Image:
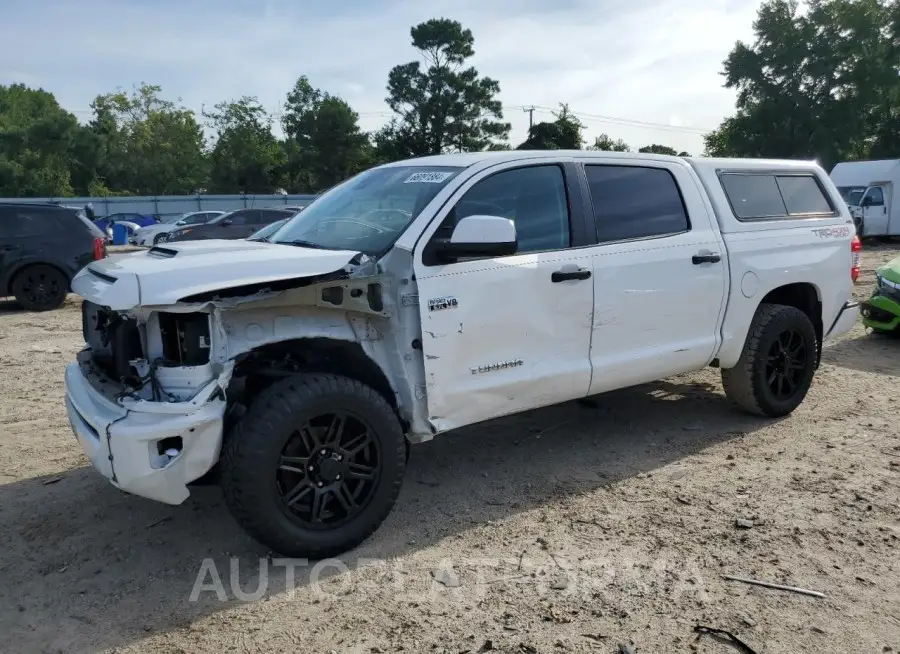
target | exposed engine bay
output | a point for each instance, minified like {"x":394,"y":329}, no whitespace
{"x":166,"y":359}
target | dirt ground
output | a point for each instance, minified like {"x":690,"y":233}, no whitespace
{"x":570,"y":529}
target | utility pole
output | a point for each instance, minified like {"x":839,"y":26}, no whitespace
{"x":530,"y":112}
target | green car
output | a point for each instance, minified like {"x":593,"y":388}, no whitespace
{"x":882,"y":311}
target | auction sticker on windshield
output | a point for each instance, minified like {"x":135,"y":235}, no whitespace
{"x":429,"y":178}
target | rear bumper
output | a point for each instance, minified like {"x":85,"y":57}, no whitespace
{"x":123,"y":444}
{"x":846,"y":318}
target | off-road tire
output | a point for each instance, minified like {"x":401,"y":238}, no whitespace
{"x":745,"y":384}
{"x":251,"y":453}
{"x":53,"y":284}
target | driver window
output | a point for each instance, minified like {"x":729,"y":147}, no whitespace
{"x":534,"y":198}
{"x":875,"y":197}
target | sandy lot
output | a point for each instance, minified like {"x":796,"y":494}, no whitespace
{"x":570,"y":529}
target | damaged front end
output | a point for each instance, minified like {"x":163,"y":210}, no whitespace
{"x":881,"y":312}
{"x":168,"y":368}
{"x":146,"y":401}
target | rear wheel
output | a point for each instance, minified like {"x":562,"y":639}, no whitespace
{"x":776,"y":367}
{"x":40,"y":288}
{"x":315,"y":466}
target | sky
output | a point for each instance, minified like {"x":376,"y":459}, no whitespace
{"x":646,"y":71}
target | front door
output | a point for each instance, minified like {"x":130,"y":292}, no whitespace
{"x":509,"y":333}
{"x":875,"y":211}
{"x":659,"y":274}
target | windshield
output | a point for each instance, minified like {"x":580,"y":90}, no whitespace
{"x":852,"y":194}
{"x":368,"y":212}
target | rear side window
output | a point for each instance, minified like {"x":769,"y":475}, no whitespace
{"x":635,"y":202}
{"x":758,"y":196}
{"x":23,"y":222}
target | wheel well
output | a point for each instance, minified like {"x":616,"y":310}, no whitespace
{"x":803,"y":296}
{"x":12,"y":278}
{"x":268,"y":363}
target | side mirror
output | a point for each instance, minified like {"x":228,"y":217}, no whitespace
{"x":225,"y":222}
{"x":479,"y":236}
{"x":180,"y":222}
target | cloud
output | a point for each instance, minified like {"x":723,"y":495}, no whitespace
{"x":645,"y":60}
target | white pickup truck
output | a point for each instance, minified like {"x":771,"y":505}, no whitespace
{"x":425,"y":295}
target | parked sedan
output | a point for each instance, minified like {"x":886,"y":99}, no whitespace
{"x":155,"y":234}
{"x":237,"y":224}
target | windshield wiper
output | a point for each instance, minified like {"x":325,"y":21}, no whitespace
{"x":305,"y":244}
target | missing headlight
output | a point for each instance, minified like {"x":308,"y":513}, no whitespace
{"x":185,"y":338}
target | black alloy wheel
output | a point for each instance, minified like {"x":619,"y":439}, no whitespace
{"x":786,"y":364}
{"x":328,"y":470}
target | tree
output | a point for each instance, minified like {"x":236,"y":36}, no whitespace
{"x":325,"y":144}
{"x":38,"y":141}
{"x":446,"y":107}
{"x":246,"y":157}
{"x":822,"y":83}
{"x":659,"y":149}
{"x":606,"y":143}
{"x":564,"y":133}
{"x":146,"y":145}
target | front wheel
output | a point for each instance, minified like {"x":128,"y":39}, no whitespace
{"x":776,"y":367}
{"x":315,"y":465}
{"x":160,"y":238}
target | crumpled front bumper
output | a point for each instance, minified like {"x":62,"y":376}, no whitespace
{"x":881,"y":313}
{"x":122,"y":438}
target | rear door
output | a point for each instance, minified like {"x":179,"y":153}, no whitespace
{"x":242,"y":224}
{"x":659,"y":272}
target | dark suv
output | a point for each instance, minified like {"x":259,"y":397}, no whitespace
{"x":42,"y":246}
{"x":237,"y":224}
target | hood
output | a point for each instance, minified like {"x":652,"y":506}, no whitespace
{"x":163,"y":275}
{"x":890,"y":271}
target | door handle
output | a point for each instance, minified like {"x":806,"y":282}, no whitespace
{"x":712,"y":257}
{"x":566,"y":275}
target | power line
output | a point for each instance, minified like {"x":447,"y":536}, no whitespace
{"x":631,"y":122}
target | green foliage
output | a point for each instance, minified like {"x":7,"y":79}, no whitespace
{"x":445,"y":107}
{"x":822,"y":83}
{"x":818,"y":81}
{"x":655,"y":148}
{"x":324,"y":142}
{"x":606,"y":143}
{"x":145,"y":144}
{"x":37,"y":142}
{"x":564,"y":133}
{"x":246,"y":157}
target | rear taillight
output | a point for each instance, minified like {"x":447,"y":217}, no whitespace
{"x":855,"y":249}
{"x":99,"y":248}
